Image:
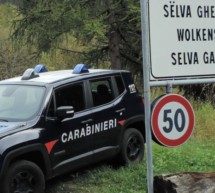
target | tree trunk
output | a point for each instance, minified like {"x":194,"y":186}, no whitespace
{"x":113,"y":37}
{"x":185,"y":183}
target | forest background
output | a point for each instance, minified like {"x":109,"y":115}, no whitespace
{"x":101,"y":34}
{"x":60,"y":34}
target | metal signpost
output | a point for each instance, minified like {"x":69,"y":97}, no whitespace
{"x":147,"y":91}
{"x":178,"y":41}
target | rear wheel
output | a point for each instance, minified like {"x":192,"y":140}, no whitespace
{"x":24,"y":177}
{"x":132,"y":150}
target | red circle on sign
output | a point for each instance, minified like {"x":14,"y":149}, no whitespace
{"x":155,"y":123}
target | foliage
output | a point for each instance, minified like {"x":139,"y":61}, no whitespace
{"x":205,"y":122}
{"x":105,"y":34}
{"x":200,"y":92}
{"x":110,"y":28}
{"x":13,"y":60}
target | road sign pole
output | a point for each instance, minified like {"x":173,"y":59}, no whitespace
{"x":147,"y":91}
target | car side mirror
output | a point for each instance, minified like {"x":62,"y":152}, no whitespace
{"x":64,"y":112}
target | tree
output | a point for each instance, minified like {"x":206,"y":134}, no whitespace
{"x":13,"y":60}
{"x":110,"y":28}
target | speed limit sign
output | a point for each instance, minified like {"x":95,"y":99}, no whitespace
{"x":172,"y":120}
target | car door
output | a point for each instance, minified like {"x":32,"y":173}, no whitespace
{"x":73,"y":145}
{"x":108,"y":114}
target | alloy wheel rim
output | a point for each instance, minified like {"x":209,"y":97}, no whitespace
{"x":23,"y":182}
{"x":133,"y":148}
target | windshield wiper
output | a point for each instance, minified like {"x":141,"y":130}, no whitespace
{"x":3,"y":120}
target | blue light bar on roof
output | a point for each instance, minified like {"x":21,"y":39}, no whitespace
{"x":39,"y":68}
{"x":29,"y":74}
{"x":80,"y":68}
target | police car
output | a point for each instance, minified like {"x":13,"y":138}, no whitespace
{"x":55,"y":122}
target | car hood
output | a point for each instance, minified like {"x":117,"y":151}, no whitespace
{"x":8,"y":127}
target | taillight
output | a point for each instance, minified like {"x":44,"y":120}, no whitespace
{"x":142,"y":100}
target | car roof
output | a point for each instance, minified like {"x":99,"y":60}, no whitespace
{"x":60,"y":75}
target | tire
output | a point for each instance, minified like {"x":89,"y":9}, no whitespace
{"x":132,"y":149}
{"x":24,"y":177}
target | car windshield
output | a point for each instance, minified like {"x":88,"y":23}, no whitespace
{"x":20,"y":102}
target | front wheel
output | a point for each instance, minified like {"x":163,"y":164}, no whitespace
{"x":24,"y":177}
{"x":132,"y":150}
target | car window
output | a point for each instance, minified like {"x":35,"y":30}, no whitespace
{"x":120,"y":85}
{"x":20,"y":102}
{"x":71,"y":95}
{"x":51,"y":108}
{"x":101,"y":91}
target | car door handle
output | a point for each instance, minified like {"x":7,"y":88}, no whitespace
{"x":87,"y":121}
{"x":120,"y":110}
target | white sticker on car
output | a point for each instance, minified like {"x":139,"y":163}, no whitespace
{"x":88,"y":130}
{"x":132,"y":88}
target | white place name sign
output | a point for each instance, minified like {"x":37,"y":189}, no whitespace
{"x":182,"y":38}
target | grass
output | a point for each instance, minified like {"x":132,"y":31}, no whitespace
{"x":205,"y":121}
{"x":103,"y":179}
{"x":194,"y":156}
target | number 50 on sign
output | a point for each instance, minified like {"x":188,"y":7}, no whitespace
{"x":172,"y":120}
